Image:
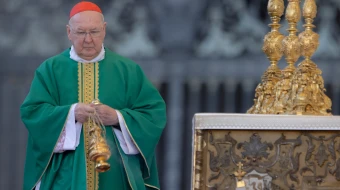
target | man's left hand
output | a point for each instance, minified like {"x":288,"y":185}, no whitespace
{"x":107,"y":114}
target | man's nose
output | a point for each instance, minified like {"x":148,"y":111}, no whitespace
{"x":88,"y":37}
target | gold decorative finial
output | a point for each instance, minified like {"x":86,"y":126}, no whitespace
{"x":275,"y":8}
{"x":309,"y":10}
{"x":272,"y":47}
{"x":308,"y":89}
{"x":293,"y":13}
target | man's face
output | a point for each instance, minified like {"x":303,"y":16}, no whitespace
{"x":86,"y":31}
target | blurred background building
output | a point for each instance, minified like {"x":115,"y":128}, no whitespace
{"x":203,"y":56}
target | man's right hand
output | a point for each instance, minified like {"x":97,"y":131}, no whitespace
{"x":82,"y":112}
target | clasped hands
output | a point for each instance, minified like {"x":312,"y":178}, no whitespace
{"x":107,"y":114}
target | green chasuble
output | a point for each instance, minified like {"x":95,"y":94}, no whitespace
{"x":59,"y":83}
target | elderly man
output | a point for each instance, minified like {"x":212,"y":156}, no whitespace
{"x":58,"y":107}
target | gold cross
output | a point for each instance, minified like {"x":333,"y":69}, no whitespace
{"x":239,"y":173}
{"x":239,"y":164}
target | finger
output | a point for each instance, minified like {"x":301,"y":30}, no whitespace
{"x":89,"y":109}
{"x":93,"y":105}
{"x":99,"y":108}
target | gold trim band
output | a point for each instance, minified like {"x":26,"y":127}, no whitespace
{"x":88,"y":77}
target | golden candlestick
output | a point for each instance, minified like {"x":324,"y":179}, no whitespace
{"x":291,"y":49}
{"x":272,"y":47}
{"x":308,"y":89}
{"x":301,"y":90}
{"x":99,"y":151}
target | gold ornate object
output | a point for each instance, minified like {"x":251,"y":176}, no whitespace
{"x":291,"y":49}
{"x":283,"y":103}
{"x":272,"y":47}
{"x":99,"y":151}
{"x":308,"y":89}
{"x":239,"y":175}
{"x":301,"y":90}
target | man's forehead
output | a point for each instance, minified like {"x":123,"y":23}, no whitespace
{"x":88,"y":16}
{"x":87,"y":20}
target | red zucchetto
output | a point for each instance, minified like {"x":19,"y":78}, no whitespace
{"x":84,"y":6}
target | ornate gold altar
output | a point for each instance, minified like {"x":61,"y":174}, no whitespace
{"x":288,"y":140}
{"x":266,"y":152}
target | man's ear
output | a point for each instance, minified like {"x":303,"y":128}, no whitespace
{"x":104,"y":28}
{"x":68,"y":30}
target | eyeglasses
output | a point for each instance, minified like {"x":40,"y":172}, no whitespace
{"x":93,"y":33}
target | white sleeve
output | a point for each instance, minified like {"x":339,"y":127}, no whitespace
{"x":69,"y":138}
{"x":124,"y":138}
{"x":37,"y":187}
